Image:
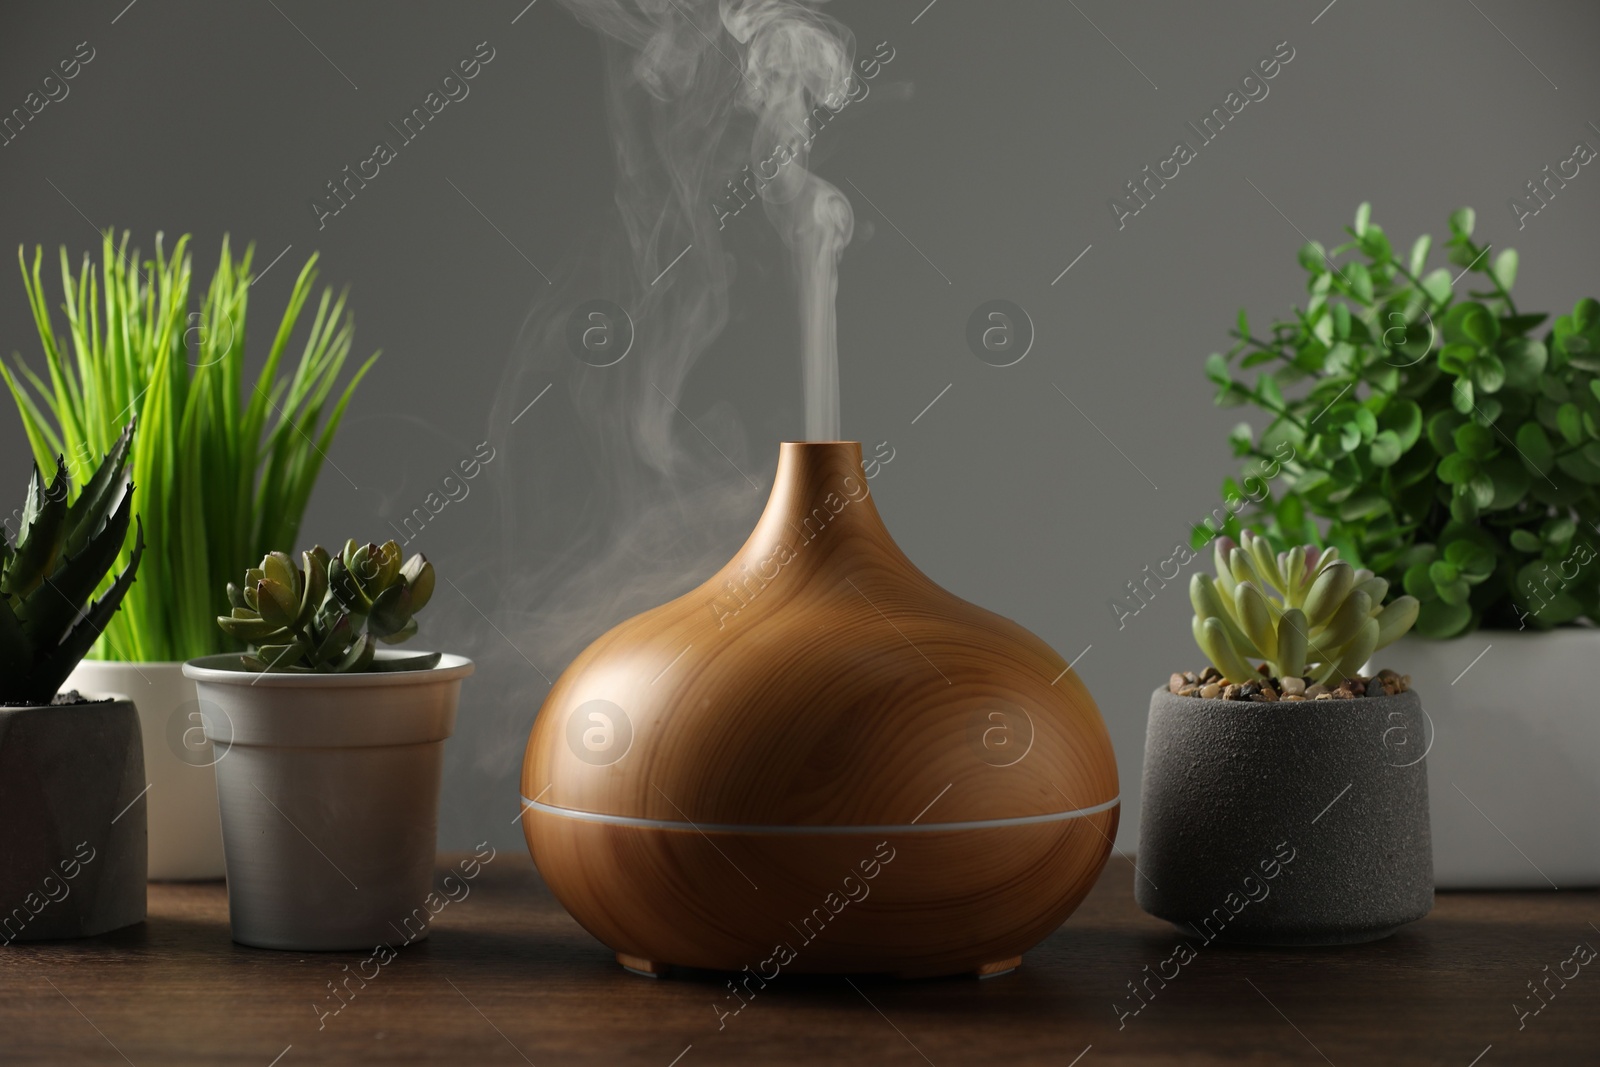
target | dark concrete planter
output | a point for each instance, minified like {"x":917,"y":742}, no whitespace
{"x":1287,"y":823}
{"x":72,"y":837}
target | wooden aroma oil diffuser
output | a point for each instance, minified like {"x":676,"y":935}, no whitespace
{"x":819,"y":761}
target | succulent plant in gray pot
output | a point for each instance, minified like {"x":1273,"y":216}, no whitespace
{"x":72,"y":828}
{"x":331,"y":749}
{"x":1287,"y":803}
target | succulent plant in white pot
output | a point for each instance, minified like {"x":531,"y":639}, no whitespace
{"x":225,"y":463}
{"x":331,"y":748}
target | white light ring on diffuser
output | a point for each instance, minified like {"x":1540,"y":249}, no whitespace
{"x":753,"y":828}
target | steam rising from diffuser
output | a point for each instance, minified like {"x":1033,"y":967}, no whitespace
{"x":816,"y":227}
{"x":663,"y":502}
{"x":795,"y":59}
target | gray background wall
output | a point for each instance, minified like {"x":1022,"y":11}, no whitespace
{"x":992,"y":142}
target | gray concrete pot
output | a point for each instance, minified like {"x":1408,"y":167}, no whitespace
{"x":329,"y":790}
{"x":72,"y":820}
{"x":1287,"y":823}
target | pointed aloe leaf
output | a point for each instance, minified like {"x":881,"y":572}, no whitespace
{"x":53,"y":605}
{"x":43,"y":528}
{"x":51,"y":669}
{"x":16,"y":649}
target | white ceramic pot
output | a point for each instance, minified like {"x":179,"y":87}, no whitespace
{"x":329,"y":790}
{"x":1514,"y":768}
{"x":185,"y":835}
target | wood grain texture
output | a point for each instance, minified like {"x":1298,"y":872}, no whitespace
{"x":820,"y":680}
{"x":507,"y":977}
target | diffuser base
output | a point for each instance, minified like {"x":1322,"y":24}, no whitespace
{"x":996,"y":969}
{"x":939,"y":902}
{"x":644,"y":967}
{"x":992,"y":969}
{"x":654,"y":969}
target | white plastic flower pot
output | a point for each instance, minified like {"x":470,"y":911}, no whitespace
{"x":1515,"y":743}
{"x":329,"y":790}
{"x":185,"y":834}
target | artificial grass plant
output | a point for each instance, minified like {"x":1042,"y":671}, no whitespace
{"x":224,"y":469}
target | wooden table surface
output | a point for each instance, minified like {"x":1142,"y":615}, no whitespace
{"x":507,"y":977}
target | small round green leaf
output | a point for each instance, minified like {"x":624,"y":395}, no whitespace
{"x":1456,"y":358}
{"x":1524,"y":541}
{"x":1477,"y":442}
{"x":1457,"y":469}
{"x":1386,"y":449}
{"x":1511,"y":479}
{"x":1479,"y":325}
{"x":1488,"y":373}
{"x":1534,"y":445}
{"x":1570,"y":422}
{"x":1418,"y":582}
{"x":1575,"y":464}
{"x":1586,"y":312}
{"x":1363,"y":214}
{"x":1439,"y":619}
{"x":1505,"y":268}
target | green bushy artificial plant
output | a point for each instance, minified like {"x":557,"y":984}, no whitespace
{"x":1428,"y":428}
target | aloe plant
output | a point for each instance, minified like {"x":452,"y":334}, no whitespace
{"x":61,"y":554}
{"x":328,"y":615}
{"x":225,"y":464}
{"x":1301,"y":611}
